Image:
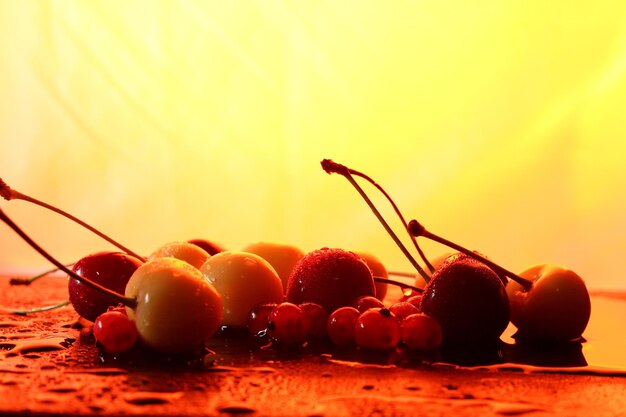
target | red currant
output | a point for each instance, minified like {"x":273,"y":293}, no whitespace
{"x":317,"y":317}
{"x":377,"y":329}
{"x":115,"y":331}
{"x":422,"y":332}
{"x":366,"y":302}
{"x":416,"y":300}
{"x":258,"y":318}
{"x":286,"y":324}
{"x":403,"y":309}
{"x":341,"y":324}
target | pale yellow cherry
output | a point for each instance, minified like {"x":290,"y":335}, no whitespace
{"x":378,"y":271}
{"x":185,"y":251}
{"x":177,"y":309}
{"x":283,"y":257}
{"x":243,"y":280}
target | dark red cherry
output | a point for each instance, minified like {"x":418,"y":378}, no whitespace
{"x":332,"y":278}
{"x":109,"y":269}
{"x":212,"y":248}
{"x":468,"y":300}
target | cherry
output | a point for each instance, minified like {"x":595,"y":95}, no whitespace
{"x":287,"y":324}
{"x":243,"y":280}
{"x":557,"y":306}
{"x":468,"y":300}
{"x":421,"y":332}
{"x":194,"y":255}
{"x":365,"y":303}
{"x":176,"y":309}
{"x":377,"y":329}
{"x":332,"y":278}
{"x":340,"y":326}
{"x":109,"y":269}
{"x":115,"y":331}
{"x":211,"y":248}
{"x":258,"y":318}
{"x":403,"y":309}
{"x":317,"y":317}
{"x":281,"y":256}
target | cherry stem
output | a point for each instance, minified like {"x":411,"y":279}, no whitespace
{"x":332,"y":167}
{"x":24,"y":312}
{"x":129,"y":302}
{"x":10,"y":194}
{"x":398,"y":284}
{"x":398,"y":213}
{"x":416,"y":229}
{"x":28,"y":281}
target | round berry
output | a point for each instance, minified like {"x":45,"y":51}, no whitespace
{"x":403,"y":309}
{"x":286,"y":324}
{"x":377,"y":329}
{"x":258,"y":318}
{"x":340,"y":326}
{"x":365,"y":303}
{"x":317,"y":317}
{"x":115,"y":331}
{"x":422,"y":332}
{"x":416,"y":300}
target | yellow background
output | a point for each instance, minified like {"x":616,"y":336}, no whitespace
{"x":499,"y":125}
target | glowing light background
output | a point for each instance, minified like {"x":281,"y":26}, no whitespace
{"x":499,"y":125}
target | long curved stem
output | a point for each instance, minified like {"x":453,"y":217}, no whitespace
{"x":10,"y":194}
{"x":129,"y":302}
{"x":398,"y":284}
{"x":332,"y":167}
{"x":416,"y":229}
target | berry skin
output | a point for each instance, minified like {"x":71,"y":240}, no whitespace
{"x":416,"y":300}
{"x":340,"y":326}
{"x":468,"y":300}
{"x":377,"y":329}
{"x":403,"y":309}
{"x":365,"y":303}
{"x":258,"y":318}
{"x":332,"y":278}
{"x":316,"y":317}
{"x":281,"y":256}
{"x":211,"y":248}
{"x":379,"y":271}
{"x":421,"y":332}
{"x":193,"y":254}
{"x":115,"y":331}
{"x":286,"y":324}
{"x":109,"y":269}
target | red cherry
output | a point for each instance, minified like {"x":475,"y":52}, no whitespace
{"x":286,"y":324}
{"x":341,"y":325}
{"x":403,"y":309}
{"x":332,"y":278}
{"x":115,"y":331}
{"x":468,"y":300}
{"x":211,"y":248}
{"x":316,"y":317}
{"x":422,"y":332}
{"x":365,"y":303}
{"x":109,"y":269}
{"x":258,"y":318}
{"x":377,"y":329}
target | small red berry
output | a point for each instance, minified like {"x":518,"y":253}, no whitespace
{"x":115,"y":331}
{"x":377,"y":329}
{"x":422,"y":332}
{"x":258,"y":317}
{"x":341,"y":324}
{"x":366,"y":302}
{"x":403,"y":309}
{"x":316,"y":316}
{"x":416,"y":300}
{"x":287,"y":324}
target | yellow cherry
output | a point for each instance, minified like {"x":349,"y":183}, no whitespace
{"x":243,"y":280}
{"x":283,"y":257}
{"x":177,"y":310}
{"x":185,"y":251}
